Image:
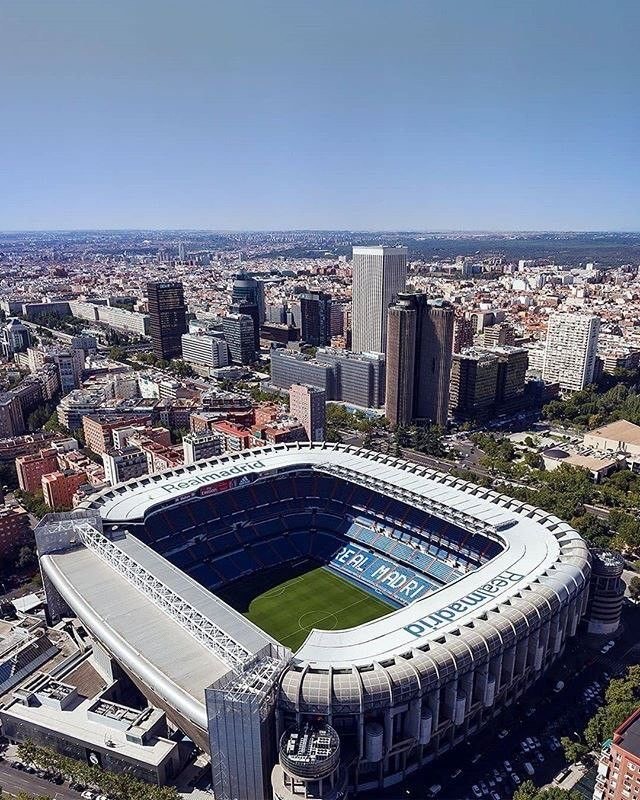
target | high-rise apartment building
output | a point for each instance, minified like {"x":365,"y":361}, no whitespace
{"x":308,"y":405}
{"x":379,"y":273}
{"x":419,"y":350}
{"x":570,"y":351}
{"x":315,"y":318}
{"x":239,"y":334}
{"x":168,"y":317}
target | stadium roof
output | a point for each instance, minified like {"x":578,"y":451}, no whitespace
{"x":539,"y":551}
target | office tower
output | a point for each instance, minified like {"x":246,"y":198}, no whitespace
{"x":308,"y":405}
{"x":315,"y":318}
{"x":433,"y":363}
{"x":462,"y":333}
{"x":239,"y":334}
{"x":402,"y":325}
{"x":168,"y":317}
{"x":498,"y":335}
{"x":248,"y":289}
{"x":379,"y":273}
{"x":353,"y":378}
{"x":474,"y":381}
{"x":181,"y":251}
{"x":570,"y":351}
{"x":419,"y":348}
{"x":251,"y":310}
{"x":359,"y":377}
{"x":336,"y":325}
{"x":205,"y":349}
{"x":513,"y":363}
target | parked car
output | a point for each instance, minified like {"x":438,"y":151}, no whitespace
{"x":476,"y":790}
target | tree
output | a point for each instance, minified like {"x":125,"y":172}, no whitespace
{"x":573,"y":750}
{"x":634,"y":587}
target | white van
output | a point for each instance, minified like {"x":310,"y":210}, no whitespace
{"x":529,"y":767}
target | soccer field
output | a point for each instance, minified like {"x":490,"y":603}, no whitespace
{"x":317,"y":599}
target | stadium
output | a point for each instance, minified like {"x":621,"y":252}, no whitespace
{"x":267,"y":597}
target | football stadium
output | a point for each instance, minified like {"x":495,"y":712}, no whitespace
{"x":318,"y":618}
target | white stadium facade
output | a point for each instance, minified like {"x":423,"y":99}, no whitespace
{"x":486,"y":591}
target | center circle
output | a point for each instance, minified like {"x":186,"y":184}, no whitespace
{"x":311,"y":618}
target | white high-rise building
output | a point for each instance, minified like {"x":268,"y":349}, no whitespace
{"x":379,"y":273}
{"x":570,"y":352}
{"x":205,"y":349}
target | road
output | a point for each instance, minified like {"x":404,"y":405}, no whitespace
{"x":14,"y":781}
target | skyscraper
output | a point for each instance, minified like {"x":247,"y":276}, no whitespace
{"x":570,"y":352}
{"x":251,"y":310}
{"x":168,"y":317}
{"x":238,"y":331}
{"x":379,"y":273}
{"x":307,"y":405}
{"x":419,"y":350}
{"x":315,"y":318}
{"x":248,"y":289}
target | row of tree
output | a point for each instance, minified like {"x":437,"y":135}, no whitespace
{"x":621,"y":699}
{"x":119,"y":786}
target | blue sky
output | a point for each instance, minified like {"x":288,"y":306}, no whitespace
{"x":353,"y":114}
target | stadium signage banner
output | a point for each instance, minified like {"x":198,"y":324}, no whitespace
{"x":434,"y":621}
{"x":210,"y":477}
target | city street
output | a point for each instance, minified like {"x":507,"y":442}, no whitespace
{"x":14,"y":781}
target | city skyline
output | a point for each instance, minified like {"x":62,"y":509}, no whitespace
{"x":365,"y":117}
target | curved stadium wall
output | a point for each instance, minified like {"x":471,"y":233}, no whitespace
{"x":498,"y":587}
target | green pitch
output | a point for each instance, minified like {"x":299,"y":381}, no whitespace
{"x":318,"y":599}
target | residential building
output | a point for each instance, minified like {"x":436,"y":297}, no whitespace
{"x":59,"y":487}
{"x":11,"y":416}
{"x":379,"y":273}
{"x":15,"y":530}
{"x":98,"y":429}
{"x":123,"y":464}
{"x":235,"y":437}
{"x":168,"y":317}
{"x":308,"y":405}
{"x":201,"y":444}
{"x":618,"y":775}
{"x":570,"y":352}
{"x":30,"y":468}
{"x":500,"y":334}
{"x":315,"y":318}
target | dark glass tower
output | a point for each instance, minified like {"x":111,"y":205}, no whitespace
{"x":168,"y":318}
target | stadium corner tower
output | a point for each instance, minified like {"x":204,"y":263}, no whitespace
{"x":480,"y":595}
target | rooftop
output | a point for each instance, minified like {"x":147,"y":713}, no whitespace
{"x":621,"y":431}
